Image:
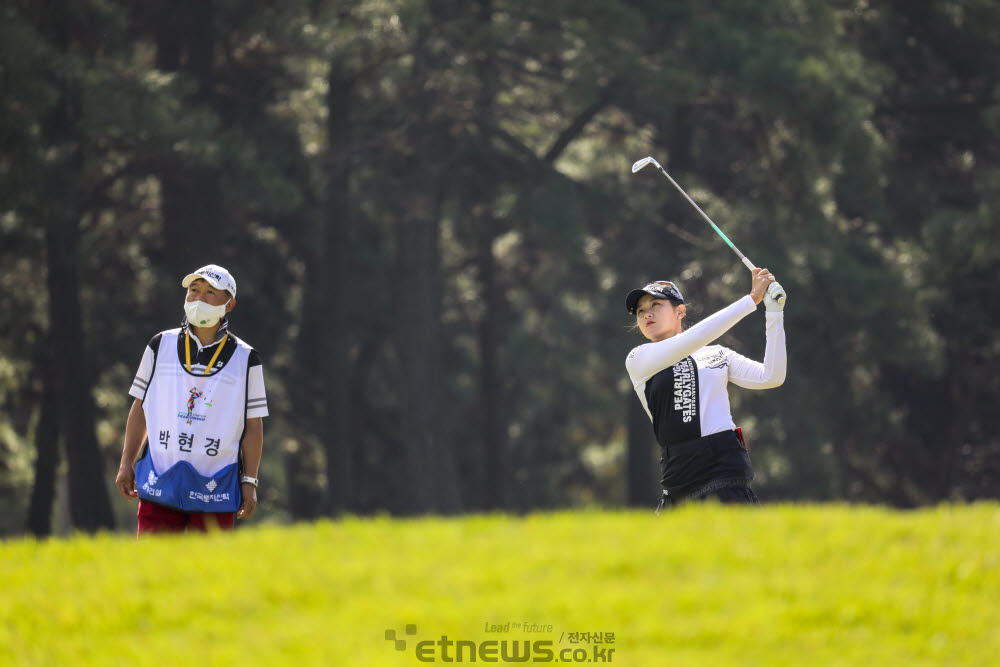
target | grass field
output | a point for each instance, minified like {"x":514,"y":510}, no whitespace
{"x":709,"y":585}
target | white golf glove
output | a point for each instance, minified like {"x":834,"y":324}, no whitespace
{"x":771,"y":300}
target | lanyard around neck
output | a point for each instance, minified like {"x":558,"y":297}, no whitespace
{"x":187,"y":352}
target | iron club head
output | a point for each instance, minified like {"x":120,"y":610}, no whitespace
{"x":641,"y":163}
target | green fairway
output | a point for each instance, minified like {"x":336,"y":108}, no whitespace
{"x":707,"y":585}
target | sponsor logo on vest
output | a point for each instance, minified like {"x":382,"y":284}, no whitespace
{"x":192,"y":399}
{"x":150,"y":483}
{"x":684,"y":389}
{"x":208,"y":497}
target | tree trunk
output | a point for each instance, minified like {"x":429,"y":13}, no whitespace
{"x":309,"y":384}
{"x":415,"y":293}
{"x":641,"y":477}
{"x":90,"y":508}
{"x":191,"y":200}
{"x":72,"y":380}
{"x":430,"y":460}
{"x":302,"y":475}
{"x":490,"y":380}
{"x":335,"y":296}
{"x":43,"y":488}
{"x":491,"y":389}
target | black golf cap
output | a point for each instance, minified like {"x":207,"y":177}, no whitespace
{"x":658,"y":289}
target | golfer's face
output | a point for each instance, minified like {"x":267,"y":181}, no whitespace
{"x":202,"y":290}
{"x":656,"y":318}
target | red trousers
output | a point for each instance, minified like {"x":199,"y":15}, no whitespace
{"x":155,"y":518}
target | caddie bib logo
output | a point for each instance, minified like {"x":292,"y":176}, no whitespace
{"x":192,"y":399}
{"x":148,"y":489}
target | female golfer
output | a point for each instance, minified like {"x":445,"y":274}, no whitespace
{"x":681,"y":382}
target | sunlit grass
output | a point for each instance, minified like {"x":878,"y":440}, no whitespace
{"x":782,"y":585}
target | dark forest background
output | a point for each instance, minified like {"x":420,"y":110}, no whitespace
{"x":428,"y":208}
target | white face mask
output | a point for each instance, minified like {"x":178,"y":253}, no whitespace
{"x":201,"y":314}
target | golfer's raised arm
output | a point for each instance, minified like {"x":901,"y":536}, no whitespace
{"x":649,"y":359}
{"x":750,"y":374}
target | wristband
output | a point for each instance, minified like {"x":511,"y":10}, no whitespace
{"x":247,"y":479}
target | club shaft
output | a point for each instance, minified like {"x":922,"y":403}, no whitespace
{"x":780,"y":296}
{"x":743,"y":258}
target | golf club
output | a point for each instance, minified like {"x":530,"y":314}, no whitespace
{"x":743,"y":258}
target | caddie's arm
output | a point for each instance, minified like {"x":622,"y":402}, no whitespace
{"x":252,"y":447}
{"x":135,"y":435}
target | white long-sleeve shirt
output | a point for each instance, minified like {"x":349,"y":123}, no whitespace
{"x":682,"y":381}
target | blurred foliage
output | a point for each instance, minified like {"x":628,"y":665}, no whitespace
{"x":428,"y":208}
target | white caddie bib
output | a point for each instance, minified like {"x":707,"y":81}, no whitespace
{"x":195,"y":423}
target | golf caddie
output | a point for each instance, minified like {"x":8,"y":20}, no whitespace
{"x":194,"y":435}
